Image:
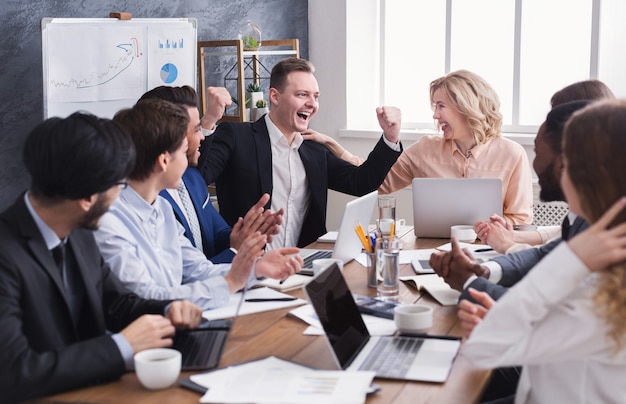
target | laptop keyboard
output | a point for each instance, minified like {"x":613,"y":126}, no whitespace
{"x":200,"y":349}
{"x":308,"y":261}
{"x":392,"y":357}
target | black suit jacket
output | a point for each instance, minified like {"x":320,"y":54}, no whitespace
{"x":43,"y":349}
{"x":238,"y":158}
{"x":515,"y":266}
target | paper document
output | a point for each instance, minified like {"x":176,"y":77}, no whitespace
{"x":375,"y":325}
{"x":406,"y":256}
{"x":230,"y":308}
{"x":435,"y":286}
{"x":273,"y":380}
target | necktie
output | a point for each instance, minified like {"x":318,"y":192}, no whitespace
{"x":565,"y":226}
{"x":192,"y":218}
{"x":58,"y":253}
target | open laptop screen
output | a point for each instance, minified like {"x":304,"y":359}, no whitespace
{"x":338,"y":314}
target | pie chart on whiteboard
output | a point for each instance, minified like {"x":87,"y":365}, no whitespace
{"x":169,"y":72}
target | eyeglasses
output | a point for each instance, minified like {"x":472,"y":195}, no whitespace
{"x":122,"y":184}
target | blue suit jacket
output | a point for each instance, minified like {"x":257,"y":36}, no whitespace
{"x":238,"y":158}
{"x":215,"y":231}
{"x":515,"y":266}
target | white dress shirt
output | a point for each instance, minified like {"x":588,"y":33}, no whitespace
{"x":290,"y":188}
{"x":547,"y":323}
{"x":146,"y":247}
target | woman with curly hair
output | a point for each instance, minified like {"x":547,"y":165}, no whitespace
{"x":467,"y":111}
{"x":565,"y":322}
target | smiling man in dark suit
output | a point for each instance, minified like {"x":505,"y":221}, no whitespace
{"x":246,"y":160}
{"x":66,"y":320}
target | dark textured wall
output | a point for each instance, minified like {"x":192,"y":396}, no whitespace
{"x":21,"y":87}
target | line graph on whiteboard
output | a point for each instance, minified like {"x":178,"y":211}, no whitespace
{"x":82,"y":70}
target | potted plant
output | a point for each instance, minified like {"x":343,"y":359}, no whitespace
{"x":255,"y":92}
{"x":250,"y":36}
{"x":260,"y":110}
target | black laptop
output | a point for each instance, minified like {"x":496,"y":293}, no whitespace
{"x":423,"y":358}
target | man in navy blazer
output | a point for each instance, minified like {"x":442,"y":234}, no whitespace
{"x":462,"y":272}
{"x":246,"y":160}
{"x":215,"y":238}
{"x":67,"y":321}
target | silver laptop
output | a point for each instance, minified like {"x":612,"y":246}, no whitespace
{"x":347,"y":246}
{"x":421,"y":358}
{"x":439,"y":203}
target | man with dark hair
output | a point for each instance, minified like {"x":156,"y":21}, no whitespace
{"x":58,"y":300}
{"x":246,"y":160}
{"x":141,"y":239}
{"x":204,"y":226}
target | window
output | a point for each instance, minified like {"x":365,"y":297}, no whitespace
{"x":526,"y":49}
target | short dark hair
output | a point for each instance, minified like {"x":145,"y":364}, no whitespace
{"x":155,"y":126}
{"x":582,"y":90}
{"x":555,"y":121}
{"x":280,"y":71}
{"x":184,"y":95}
{"x":77,"y":156}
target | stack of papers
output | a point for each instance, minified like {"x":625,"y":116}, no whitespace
{"x":274,"y":380}
{"x":268,"y":301}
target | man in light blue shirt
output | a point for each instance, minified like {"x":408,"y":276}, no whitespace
{"x":143,"y":242}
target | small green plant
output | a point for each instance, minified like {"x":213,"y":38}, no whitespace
{"x":236,"y":101}
{"x":250,"y":42}
{"x":254,"y":88}
{"x":261,"y":103}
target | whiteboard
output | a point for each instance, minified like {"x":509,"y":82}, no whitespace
{"x":101,"y":65}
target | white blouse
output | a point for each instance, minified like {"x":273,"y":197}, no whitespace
{"x":547,"y":323}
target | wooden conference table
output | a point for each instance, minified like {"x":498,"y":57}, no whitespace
{"x":276,"y":333}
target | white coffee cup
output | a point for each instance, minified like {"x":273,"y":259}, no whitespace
{"x":413,"y":318}
{"x":158,"y":368}
{"x":464,"y":233}
{"x":321,"y":264}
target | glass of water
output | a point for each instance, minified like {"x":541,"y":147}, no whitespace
{"x":386,"y":215}
{"x":388,"y":264}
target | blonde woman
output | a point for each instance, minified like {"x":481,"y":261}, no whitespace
{"x":565,"y":322}
{"x":467,"y":111}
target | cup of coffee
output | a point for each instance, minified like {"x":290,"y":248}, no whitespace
{"x":158,"y":368}
{"x":463,"y":233}
{"x":321,"y":264}
{"x":413,"y":318}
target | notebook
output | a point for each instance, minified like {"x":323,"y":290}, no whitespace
{"x":202,"y":347}
{"x":420,"y":358}
{"x":439,"y":203}
{"x":348,"y":246}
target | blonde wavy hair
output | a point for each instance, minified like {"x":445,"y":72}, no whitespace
{"x":475,"y":99}
{"x":599,"y":178}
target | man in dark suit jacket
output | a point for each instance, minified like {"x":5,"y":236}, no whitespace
{"x":57,"y":316}
{"x":462,"y":272}
{"x":246,"y":160}
{"x":213,"y":235}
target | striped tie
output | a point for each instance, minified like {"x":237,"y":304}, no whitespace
{"x":192,"y":218}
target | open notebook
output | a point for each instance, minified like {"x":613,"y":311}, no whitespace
{"x":399,"y":357}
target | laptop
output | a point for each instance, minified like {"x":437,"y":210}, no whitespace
{"x":347,"y":246}
{"x":202,"y":347}
{"x":439,"y":203}
{"x":420,"y":358}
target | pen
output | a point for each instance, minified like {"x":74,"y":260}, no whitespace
{"x":483,"y":250}
{"x":271,"y":299}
